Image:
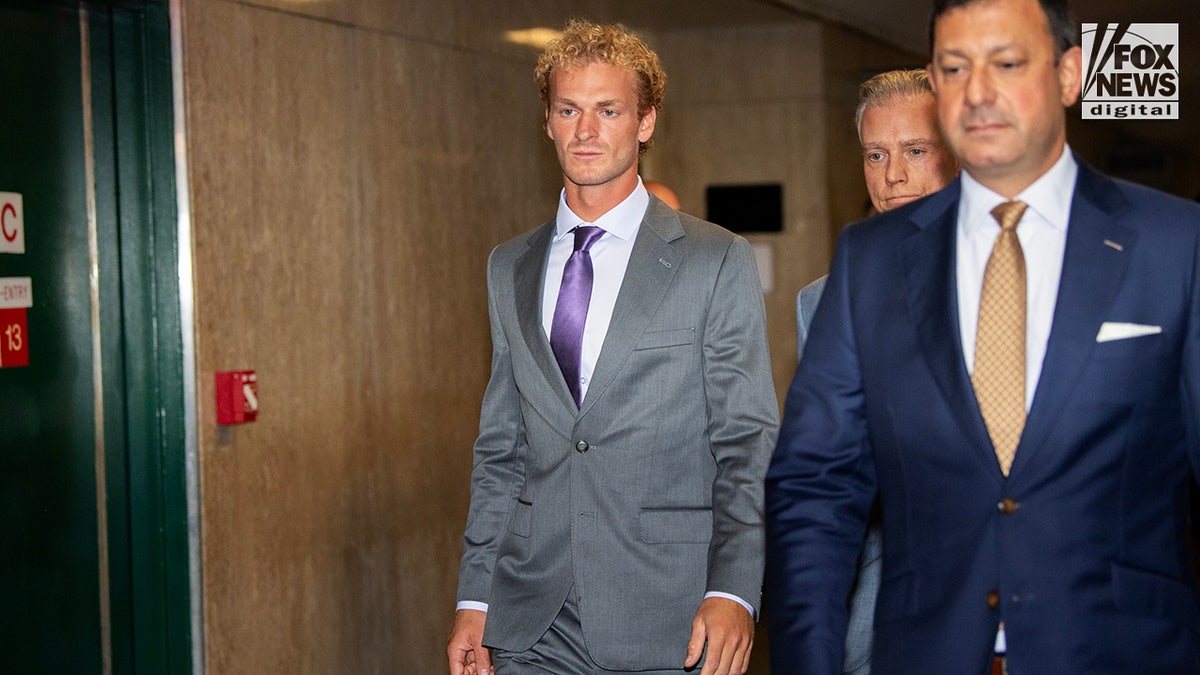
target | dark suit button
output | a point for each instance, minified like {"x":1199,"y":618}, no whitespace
{"x":582,"y":447}
{"x":993,"y":598}
{"x":1007,"y":506}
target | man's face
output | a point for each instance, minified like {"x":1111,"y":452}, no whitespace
{"x":903,"y":154}
{"x":593,"y":121}
{"x":1000,"y":93}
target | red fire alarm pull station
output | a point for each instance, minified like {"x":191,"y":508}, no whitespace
{"x":237,"y":397}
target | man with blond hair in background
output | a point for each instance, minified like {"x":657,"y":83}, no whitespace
{"x":904,"y":159}
{"x":616,"y":496}
{"x":904,"y":156}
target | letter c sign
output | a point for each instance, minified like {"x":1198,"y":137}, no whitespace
{"x":12,"y":225}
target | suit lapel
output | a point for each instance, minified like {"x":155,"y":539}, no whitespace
{"x":528,"y":275}
{"x":1094,"y":261}
{"x":928,"y":259}
{"x":652,"y":264}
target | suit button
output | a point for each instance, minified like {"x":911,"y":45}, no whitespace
{"x":1007,"y":506}
{"x":582,"y":447}
{"x":993,"y":598}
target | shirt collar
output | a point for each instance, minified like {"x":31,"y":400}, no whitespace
{"x":1049,"y":196}
{"x":622,"y":220}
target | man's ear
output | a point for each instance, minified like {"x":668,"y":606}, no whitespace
{"x":646,"y":125}
{"x":1070,"y":75}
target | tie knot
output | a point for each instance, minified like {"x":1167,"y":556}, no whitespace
{"x":1009,"y":214}
{"x":586,"y":235}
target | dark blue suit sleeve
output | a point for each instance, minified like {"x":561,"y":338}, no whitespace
{"x":819,"y":490}
{"x":1191,"y":368}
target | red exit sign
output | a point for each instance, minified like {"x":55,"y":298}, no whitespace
{"x":16,"y":295}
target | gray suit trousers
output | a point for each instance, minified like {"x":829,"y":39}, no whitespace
{"x":561,"y":651}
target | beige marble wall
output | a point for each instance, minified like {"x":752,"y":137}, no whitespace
{"x":347,"y":185}
{"x":747,"y":105}
{"x":351,"y":164}
{"x":851,"y":59}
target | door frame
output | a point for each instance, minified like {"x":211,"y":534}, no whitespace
{"x":146,"y":348}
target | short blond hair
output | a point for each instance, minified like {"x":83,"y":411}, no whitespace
{"x":583,"y":42}
{"x":890,"y":86}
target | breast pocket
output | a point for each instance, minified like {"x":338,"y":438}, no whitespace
{"x":661,"y":339}
{"x":1143,"y":346}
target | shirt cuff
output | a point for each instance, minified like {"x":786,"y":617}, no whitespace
{"x":483,"y":606}
{"x":730,"y":596}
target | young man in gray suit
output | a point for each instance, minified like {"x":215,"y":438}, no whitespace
{"x":904,"y":159}
{"x":616,"y":497}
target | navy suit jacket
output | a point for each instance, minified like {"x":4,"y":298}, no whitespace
{"x":859,"y":631}
{"x":1082,"y":551}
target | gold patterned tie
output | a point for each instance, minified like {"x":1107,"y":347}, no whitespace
{"x":999,"y":375}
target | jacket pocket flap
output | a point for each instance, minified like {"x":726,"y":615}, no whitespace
{"x":676,"y":526}
{"x":1152,"y":594}
{"x":521,"y":522}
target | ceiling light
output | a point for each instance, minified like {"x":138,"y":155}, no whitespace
{"x":534,"y":37}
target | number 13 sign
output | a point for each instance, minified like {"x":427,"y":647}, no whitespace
{"x":16,"y":296}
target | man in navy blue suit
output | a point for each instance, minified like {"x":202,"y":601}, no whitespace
{"x":1012,"y":365}
{"x":904,"y":159}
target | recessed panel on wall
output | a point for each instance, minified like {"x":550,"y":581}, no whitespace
{"x":746,"y":208}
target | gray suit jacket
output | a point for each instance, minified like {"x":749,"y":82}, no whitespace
{"x":860,"y":630}
{"x":648,"y":496}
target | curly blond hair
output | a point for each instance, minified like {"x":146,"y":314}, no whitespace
{"x":583,"y":42}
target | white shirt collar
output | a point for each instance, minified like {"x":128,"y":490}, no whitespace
{"x":621,"y":220}
{"x":1049,"y":196}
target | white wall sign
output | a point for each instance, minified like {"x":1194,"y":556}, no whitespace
{"x":12,"y":223}
{"x":764,"y":255}
{"x":16,"y":292}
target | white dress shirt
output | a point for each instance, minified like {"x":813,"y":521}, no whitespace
{"x":1042,"y":232}
{"x":610,"y":257}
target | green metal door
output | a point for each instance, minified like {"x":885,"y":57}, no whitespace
{"x":93,"y":518}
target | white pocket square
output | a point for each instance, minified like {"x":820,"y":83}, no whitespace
{"x":1113,"y":330}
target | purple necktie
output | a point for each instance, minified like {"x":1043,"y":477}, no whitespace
{"x":566,"y":332}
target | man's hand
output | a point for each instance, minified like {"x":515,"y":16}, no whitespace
{"x":465,"y":649}
{"x":729,"y":630}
